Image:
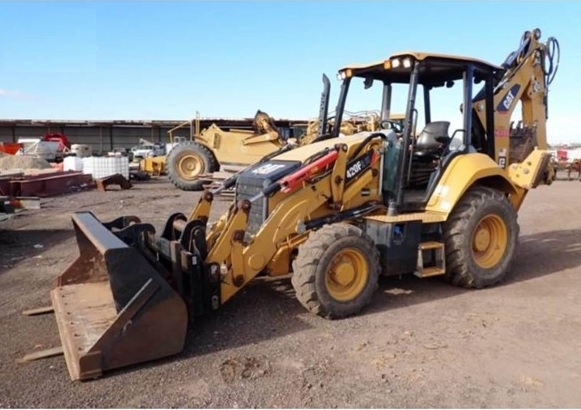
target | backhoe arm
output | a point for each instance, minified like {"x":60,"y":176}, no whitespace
{"x":529,"y":71}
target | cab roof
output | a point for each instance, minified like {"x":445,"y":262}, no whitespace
{"x":436,"y":68}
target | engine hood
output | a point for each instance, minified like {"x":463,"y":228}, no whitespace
{"x":302,"y":153}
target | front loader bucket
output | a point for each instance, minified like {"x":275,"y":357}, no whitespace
{"x":112,"y":307}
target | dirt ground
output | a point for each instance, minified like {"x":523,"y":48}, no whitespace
{"x":421,"y":343}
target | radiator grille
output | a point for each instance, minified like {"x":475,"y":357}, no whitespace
{"x":253,"y":181}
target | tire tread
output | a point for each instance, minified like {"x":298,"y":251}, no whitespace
{"x":171,"y":165}
{"x":307,"y":261}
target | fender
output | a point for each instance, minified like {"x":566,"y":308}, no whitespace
{"x":463,"y":172}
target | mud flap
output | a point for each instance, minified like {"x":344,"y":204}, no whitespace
{"x":113,"y":308}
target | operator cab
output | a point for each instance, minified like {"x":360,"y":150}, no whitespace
{"x":413,"y":166}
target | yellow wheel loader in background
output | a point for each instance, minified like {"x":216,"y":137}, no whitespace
{"x":191,"y":165}
{"x":335,"y":214}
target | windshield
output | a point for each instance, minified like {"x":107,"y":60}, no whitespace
{"x":363,"y":107}
{"x":364,"y":104}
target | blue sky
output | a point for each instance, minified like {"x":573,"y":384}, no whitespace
{"x":167,"y":60}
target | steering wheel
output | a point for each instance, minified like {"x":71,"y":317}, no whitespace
{"x":392,"y":125}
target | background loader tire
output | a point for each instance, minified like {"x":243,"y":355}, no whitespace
{"x":481,"y":236}
{"x":186,"y":161}
{"x":336,"y":271}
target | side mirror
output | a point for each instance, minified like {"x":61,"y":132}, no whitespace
{"x":368,"y":82}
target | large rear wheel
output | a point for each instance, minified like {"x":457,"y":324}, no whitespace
{"x":186,"y":162}
{"x":481,"y":236}
{"x":336,"y":271}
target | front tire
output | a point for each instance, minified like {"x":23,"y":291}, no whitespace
{"x":336,"y":271}
{"x":186,"y":162}
{"x":481,"y":236}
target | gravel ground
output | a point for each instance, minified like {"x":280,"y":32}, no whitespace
{"x":421,"y":343}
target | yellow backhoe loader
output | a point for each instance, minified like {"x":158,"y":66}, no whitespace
{"x":335,"y":214}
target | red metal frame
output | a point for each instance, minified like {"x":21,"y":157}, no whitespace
{"x":48,"y":184}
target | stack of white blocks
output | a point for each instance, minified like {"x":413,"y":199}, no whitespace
{"x":101,"y":167}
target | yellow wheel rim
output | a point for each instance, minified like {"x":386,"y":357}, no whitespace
{"x":489,"y":241}
{"x":190,"y":166}
{"x":347,"y":275}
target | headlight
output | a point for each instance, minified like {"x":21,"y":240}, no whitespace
{"x":407,"y":62}
{"x":395,"y":63}
{"x":341,"y":75}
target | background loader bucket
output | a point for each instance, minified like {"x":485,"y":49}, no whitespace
{"x":112,"y":307}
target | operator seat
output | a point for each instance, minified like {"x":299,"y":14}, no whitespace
{"x":433,"y":138}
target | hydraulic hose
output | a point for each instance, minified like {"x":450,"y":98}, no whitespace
{"x":553,"y":50}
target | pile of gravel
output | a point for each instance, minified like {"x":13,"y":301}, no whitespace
{"x":22,"y":162}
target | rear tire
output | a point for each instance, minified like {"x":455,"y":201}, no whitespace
{"x":186,"y":161}
{"x":336,"y":271}
{"x":481,"y":237}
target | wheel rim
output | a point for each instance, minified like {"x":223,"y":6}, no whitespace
{"x":347,"y":275}
{"x":190,"y":166}
{"x":489,"y":241}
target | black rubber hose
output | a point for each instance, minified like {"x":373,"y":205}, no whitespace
{"x":553,"y":50}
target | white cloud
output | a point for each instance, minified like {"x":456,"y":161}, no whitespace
{"x":14,"y":94}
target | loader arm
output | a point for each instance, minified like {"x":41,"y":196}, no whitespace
{"x":242,"y":258}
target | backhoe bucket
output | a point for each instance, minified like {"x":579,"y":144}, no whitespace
{"x":113,"y":308}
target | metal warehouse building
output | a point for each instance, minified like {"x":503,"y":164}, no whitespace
{"x":103,"y":136}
